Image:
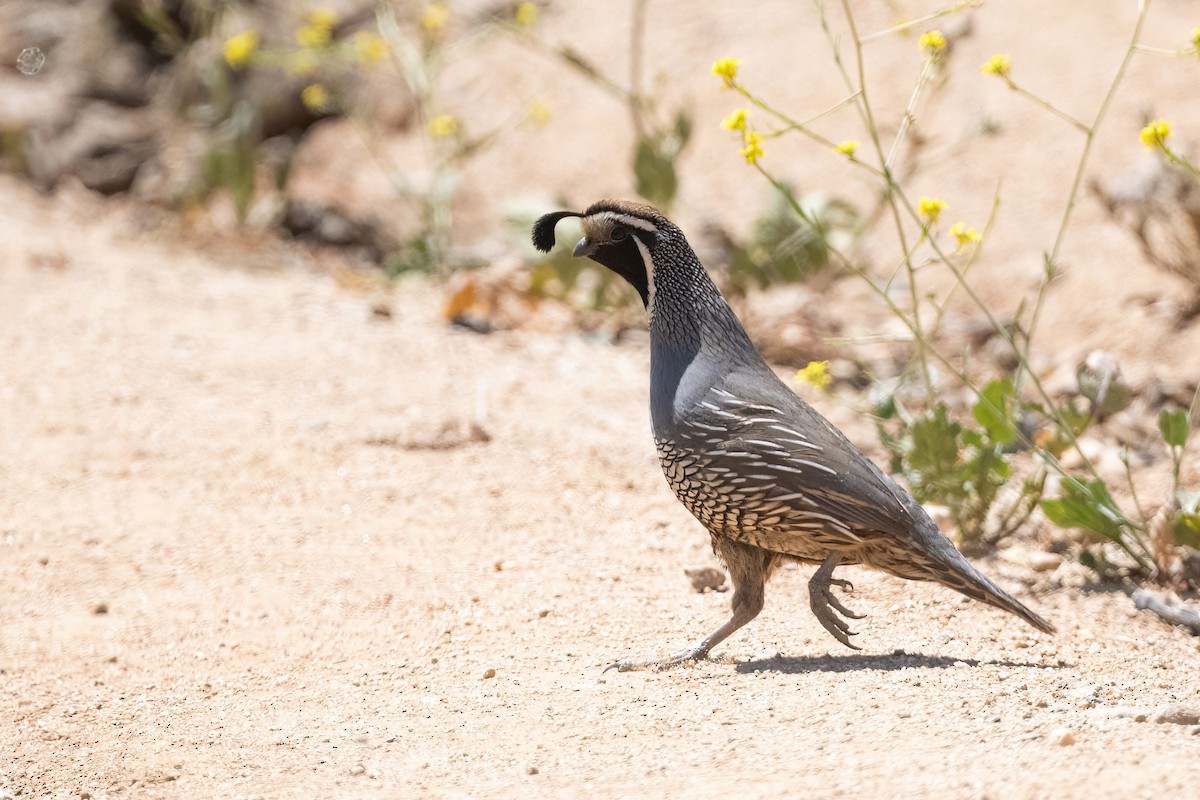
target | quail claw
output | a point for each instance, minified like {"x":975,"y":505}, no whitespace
{"x":689,"y":656}
{"x":824,"y":602}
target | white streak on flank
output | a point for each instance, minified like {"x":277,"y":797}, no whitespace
{"x":704,"y":427}
{"x":709,"y":405}
{"x":783,"y":498}
{"x":817,"y":466}
{"x":755,"y":420}
{"x":723,"y":392}
{"x":789,"y":431}
{"x":837,"y":523}
{"x":725,"y":414}
{"x":809,"y":445}
{"x":764,"y":443}
{"x":760,"y":407}
{"x":782,"y":468}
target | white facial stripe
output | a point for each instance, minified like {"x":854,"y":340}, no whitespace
{"x":649,"y":263}
{"x":628,"y":221}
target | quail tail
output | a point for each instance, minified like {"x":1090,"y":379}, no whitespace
{"x":978,"y":587}
{"x":953,"y":570}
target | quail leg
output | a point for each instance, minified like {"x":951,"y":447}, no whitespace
{"x":742,"y":613}
{"x":749,"y":568}
{"x":823,"y":602}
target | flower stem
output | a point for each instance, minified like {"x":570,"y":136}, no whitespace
{"x":1046,"y":105}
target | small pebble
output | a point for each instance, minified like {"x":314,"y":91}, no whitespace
{"x":1041,"y":561}
{"x":1063,"y":737}
{"x":357,"y":769}
{"x":100,"y":608}
{"x":1177,"y":715}
{"x":531,"y":770}
{"x":489,"y":673}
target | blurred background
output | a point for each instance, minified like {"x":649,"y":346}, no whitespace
{"x":280,"y":369}
{"x":423,"y":138}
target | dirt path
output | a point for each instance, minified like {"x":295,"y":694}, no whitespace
{"x":253,"y":548}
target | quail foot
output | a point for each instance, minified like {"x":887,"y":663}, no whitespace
{"x":768,"y":476}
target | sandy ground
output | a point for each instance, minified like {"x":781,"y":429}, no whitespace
{"x":254,"y":545}
{"x":260,"y":541}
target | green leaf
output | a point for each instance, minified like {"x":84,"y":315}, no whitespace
{"x":1174,"y":427}
{"x":1187,"y":529}
{"x":683,"y":129}
{"x":935,"y":442}
{"x":994,"y":411}
{"x":1088,"y":559}
{"x":655,"y":173}
{"x":1087,"y":505}
{"x":885,"y":407}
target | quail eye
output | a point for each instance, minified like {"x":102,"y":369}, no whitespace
{"x":618,"y":233}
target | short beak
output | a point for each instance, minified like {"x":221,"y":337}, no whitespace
{"x":584,"y":248}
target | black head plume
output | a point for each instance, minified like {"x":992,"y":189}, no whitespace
{"x":543,"y":229}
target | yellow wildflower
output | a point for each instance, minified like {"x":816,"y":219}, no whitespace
{"x":319,"y":30}
{"x":933,"y":43}
{"x":322,"y":18}
{"x":998,"y":65}
{"x":527,"y":15}
{"x":1196,"y":39}
{"x":847,"y":148}
{"x":752,"y":152}
{"x":964,"y":235}
{"x":931,"y":208}
{"x":539,"y":111}
{"x":726,"y":69}
{"x":443,"y":127}
{"x":816,"y":373}
{"x":238,"y":49}
{"x":1155,"y":134}
{"x":736,"y":121}
{"x":369,"y":47}
{"x":433,"y":20}
{"x":315,"y":97}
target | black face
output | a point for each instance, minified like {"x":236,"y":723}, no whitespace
{"x":623,"y":257}
{"x":612,"y":244}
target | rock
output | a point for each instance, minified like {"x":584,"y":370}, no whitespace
{"x":1041,"y":561}
{"x":705,"y":579}
{"x":531,"y":770}
{"x":489,"y":673}
{"x":1063,"y":737}
{"x":1176,"y":714}
{"x":328,"y":225}
{"x":358,"y":769}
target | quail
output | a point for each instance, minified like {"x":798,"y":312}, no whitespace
{"x":769,"y":477}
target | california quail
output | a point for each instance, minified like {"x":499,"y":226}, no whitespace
{"x":770,"y":478}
